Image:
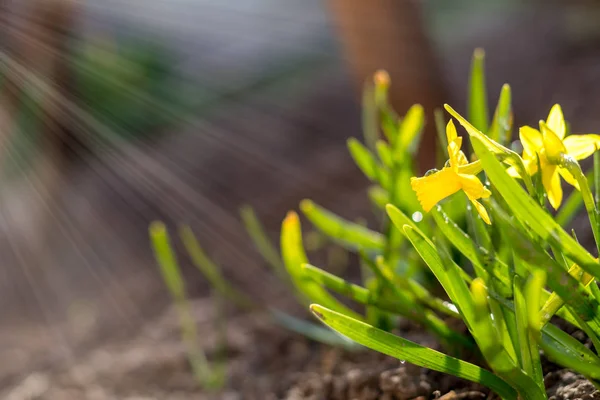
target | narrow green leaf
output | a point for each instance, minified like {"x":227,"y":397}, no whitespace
{"x":573,"y":204}
{"x":588,"y":199}
{"x":400,"y":219}
{"x":493,"y":350}
{"x":367,"y":163}
{"x":478,"y":107}
{"x":440,"y":128}
{"x":210,"y":270}
{"x":312,"y":331}
{"x":294,"y":257}
{"x":405,"y":293}
{"x":483,"y":328}
{"x":399,"y":283}
{"x":447,"y":274}
{"x":171,"y":274}
{"x":378,"y":196}
{"x":479,"y":256}
{"x":341,"y":286}
{"x":528,"y":329}
{"x":597,"y":177}
{"x":501,"y":128}
{"x":554,"y":302}
{"x":370,"y":122}
{"x":584,"y":326}
{"x":565,"y":350}
{"x":409,"y":133}
{"x":169,"y":267}
{"x":569,"y":209}
{"x":414,"y":353}
{"x":261,"y":241}
{"x":385,"y":153}
{"x":349,"y":234}
{"x":405,"y":305}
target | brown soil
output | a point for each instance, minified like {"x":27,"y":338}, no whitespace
{"x":263,"y":362}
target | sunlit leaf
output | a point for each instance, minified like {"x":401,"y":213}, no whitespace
{"x":411,"y":352}
{"x":350,"y":234}
{"x":478,"y":107}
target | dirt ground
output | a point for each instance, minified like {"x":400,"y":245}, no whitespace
{"x":264,"y":362}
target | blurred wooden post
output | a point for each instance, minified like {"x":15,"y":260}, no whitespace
{"x":37,"y":39}
{"x":389,"y":34}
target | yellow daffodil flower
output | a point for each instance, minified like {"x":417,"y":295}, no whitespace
{"x":458,"y":175}
{"x":548,"y":145}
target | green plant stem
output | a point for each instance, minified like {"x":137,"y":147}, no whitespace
{"x":597,"y":176}
{"x":169,"y":268}
{"x":211,"y":271}
{"x":262,"y":243}
{"x":588,"y":199}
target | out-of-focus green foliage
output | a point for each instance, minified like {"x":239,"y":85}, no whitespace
{"x":128,"y":85}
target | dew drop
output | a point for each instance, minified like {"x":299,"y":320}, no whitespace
{"x":450,"y":306}
{"x":402,"y":361}
{"x":417,"y":216}
{"x":547,"y":316}
{"x":469,"y":208}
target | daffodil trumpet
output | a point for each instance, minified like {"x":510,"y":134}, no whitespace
{"x":457,"y":175}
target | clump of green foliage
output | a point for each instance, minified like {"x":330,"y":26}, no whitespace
{"x":504,"y":279}
{"x":478,"y":242}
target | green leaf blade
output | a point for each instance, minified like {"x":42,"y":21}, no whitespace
{"x":478,"y":108}
{"x":294,"y":257}
{"x":403,"y":349}
{"x":349,"y":234}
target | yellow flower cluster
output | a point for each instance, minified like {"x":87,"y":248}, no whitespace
{"x":547,"y":145}
{"x":543,"y":151}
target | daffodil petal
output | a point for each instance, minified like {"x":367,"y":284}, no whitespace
{"x":531,"y":166}
{"x":570,"y":179}
{"x":512,"y":171}
{"x":451,"y":133}
{"x":454,"y":151}
{"x":431,"y":189}
{"x":471,"y":168}
{"x":581,"y":146}
{"x":481,"y":211}
{"x":551,"y":182}
{"x":473,"y":187}
{"x":532,"y":141}
{"x":553,"y":144}
{"x":556,"y":121}
{"x":461,"y":159}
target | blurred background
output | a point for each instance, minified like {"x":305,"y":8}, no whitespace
{"x":116,"y":113}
